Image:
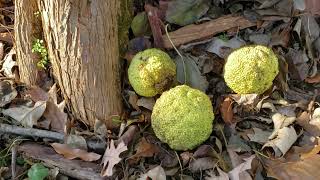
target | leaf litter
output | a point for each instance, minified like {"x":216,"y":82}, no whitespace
{"x":255,"y":136}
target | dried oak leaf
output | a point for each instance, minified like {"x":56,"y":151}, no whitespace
{"x":71,"y":153}
{"x":111,"y":157}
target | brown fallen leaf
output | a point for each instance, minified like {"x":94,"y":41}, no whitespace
{"x":54,"y":112}
{"x":71,"y":153}
{"x":144,"y":149}
{"x":314,"y":79}
{"x":57,"y":117}
{"x":37,"y":94}
{"x":227,"y":111}
{"x":111,"y":158}
{"x":306,"y":167}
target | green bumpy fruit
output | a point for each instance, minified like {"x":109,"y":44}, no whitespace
{"x":182,"y":117}
{"x":151,"y":72}
{"x":251,"y":69}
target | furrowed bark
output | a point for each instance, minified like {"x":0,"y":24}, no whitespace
{"x":27,"y":28}
{"x":82,"y":39}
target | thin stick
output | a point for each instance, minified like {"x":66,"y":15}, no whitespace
{"x":13,"y":162}
{"x":6,"y":128}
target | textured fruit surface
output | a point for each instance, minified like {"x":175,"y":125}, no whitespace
{"x":251,"y":69}
{"x":182,"y":117}
{"x":151,"y":72}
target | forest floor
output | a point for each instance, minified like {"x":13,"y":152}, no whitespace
{"x":274,"y":135}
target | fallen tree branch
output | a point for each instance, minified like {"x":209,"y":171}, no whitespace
{"x":74,"y":168}
{"x":31,"y":132}
{"x":205,"y":30}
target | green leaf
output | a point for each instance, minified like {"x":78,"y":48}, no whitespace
{"x":190,"y":73}
{"x":38,"y":172}
{"x":184,"y":12}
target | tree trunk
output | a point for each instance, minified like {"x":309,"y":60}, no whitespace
{"x":27,"y":28}
{"x":82,"y":40}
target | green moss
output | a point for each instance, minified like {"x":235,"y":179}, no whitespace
{"x":182,"y":117}
{"x":251,"y":69}
{"x":151,"y":72}
{"x":124,"y":21}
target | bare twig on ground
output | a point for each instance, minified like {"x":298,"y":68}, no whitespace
{"x":13,"y":162}
{"x":6,"y":128}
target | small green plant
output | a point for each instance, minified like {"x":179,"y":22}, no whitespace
{"x":224,"y":37}
{"x":39,"y":47}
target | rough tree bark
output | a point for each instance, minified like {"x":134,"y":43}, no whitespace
{"x":27,"y":28}
{"x":82,"y":40}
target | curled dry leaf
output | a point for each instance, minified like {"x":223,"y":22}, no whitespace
{"x":226,"y":110}
{"x":311,"y":124}
{"x":280,"y":121}
{"x":111,"y":158}
{"x":71,"y":153}
{"x":285,"y":138}
{"x":26,"y":116}
{"x":7,"y":93}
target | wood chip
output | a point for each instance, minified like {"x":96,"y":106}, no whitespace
{"x":191,"y":33}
